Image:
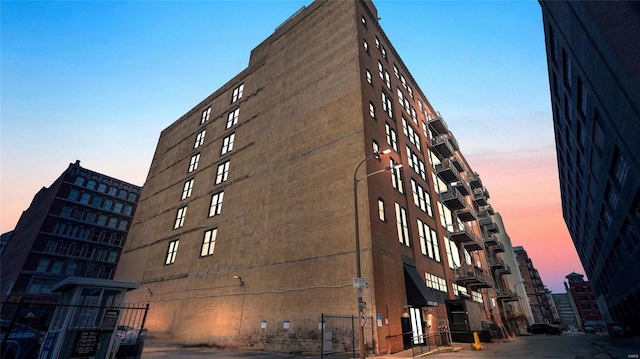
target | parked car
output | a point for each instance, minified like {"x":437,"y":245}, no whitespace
{"x":618,"y":330}
{"x":589,"y":329}
{"x":128,"y":335}
{"x":23,"y":342}
{"x":549,"y":329}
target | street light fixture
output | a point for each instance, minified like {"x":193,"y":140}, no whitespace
{"x":359,"y":282}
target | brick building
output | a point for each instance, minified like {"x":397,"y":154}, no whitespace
{"x":75,"y":227}
{"x":536,"y":291}
{"x":244,"y":233}
{"x":584,"y":301}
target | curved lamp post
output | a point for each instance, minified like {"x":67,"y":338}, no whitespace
{"x":359,"y":282}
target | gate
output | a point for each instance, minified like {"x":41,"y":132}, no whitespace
{"x":340,"y":336}
{"x":26,"y":328}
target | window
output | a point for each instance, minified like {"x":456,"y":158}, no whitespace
{"x":186,"y":189}
{"x":381,"y":215}
{"x":102,"y":187}
{"x":372,"y":110}
{"x":477,"y":297}
{"x":113,"y":256}
{"x":73,"y":195}
{"x":376,"y":148}
{"x":205,"y":115}
{"x":402,"y":225}
{"x":232,"y":118}
{"x":43,"y":265}
{"x":416,"y":163}
{"x":122,"y":194}
{"x":428,"y":241}
{"x":396,"y":71}
{"x":107,"y":204}
{"x":223,"y":172}
{"x":122,"y":226}
{"x":57,"y":267}
{"x":66,"y":211}
{"x":209,"y":242}
{"x":112,"y":191}
{"x":364,"y":21}
{"x":227,"y":144}
{"x":182,"y":212}
{"x":193,"y":163}
{"x":199,"y":138}
{"x":392,"y":137}
{"x":369,"y":80}
{"x":396,"y":176}
{"x":620,"y":169}
{"x":384,"y":75}
{"x":237,"y":93}
{"x":112,"y":222}
{"x":216,"y":204}
{"x":79,"y":181}
{"x":435,"y":282}
{"x":421,"y":198}
{"x":411,"y":134}
{"x":171,"y":252}
{"x":91,"y":184}
{"x":127,"y":210}
{"x":117,"y":207}
{"x":132,"y":197}
{"x":453,"y":256}
{"x":97,"y":201}
{"x":365,"y":44}
{"x":85,"y":198}
{"x":387,"y":105}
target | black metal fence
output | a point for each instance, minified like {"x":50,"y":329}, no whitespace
{"x":25,"y":327}
{"x":340,"y":336}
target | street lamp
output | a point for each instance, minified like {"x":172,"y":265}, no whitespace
{"x":359,"y":282}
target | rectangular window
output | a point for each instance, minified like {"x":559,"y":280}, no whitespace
{"x":73,"y":195}
{"x":227,"y":144}
{"x":91,"y":184}
{"x":171,"y":252}
{"x":107,"y":204}
{"x":381,"y":214}
{"x":209,"y":242}
{"x":421,"y":198}
{"x":182,"y":212}
{"x":402,"y":225}
{"x":237,"y":93}
{"x":435,"y":282}
{"x":102,"y":187}
{"x":392,"y":137}
{"x":122,"y":226}
{"x":97,"y":201}
{"x":193,"y":163}
{"x":428,"y":241}
{"x":85,"y":198}
{"x":186,"y":189}
{"x":223,"y":172}
{"x":232,"y":118}
{"x":416,"y":163}
{"x":387,"y":104}
{"x":216,"y":204}
{"x":453,"y":256}
{"x":117,"y":207}
{"x":112,"y":222}
{"x":79,"y":181}
{"x":205,"y":115}
{"x":372,"y":110}
{"x":200,"y":138}
{"x":369,"y":79}
{"x":396,"y":176}
{"x":411,"y":134}
{"x":43,"y":265}
{"x":477,"y":297}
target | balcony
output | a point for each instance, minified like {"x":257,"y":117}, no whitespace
{"x":452,"y":199}
{"x":474,"y":180}
{"x":436,"y":122}
{"x":473,"y":277}
{"x":467,"y":238}
{"x":506,"y":295}
{"x":453,"y":142}
{"x":491,"y":240}
{"x":488,"y":210}
{"x":462,"y":187}
{"x":505,"y":270}
{"x":496,"y":248}
{"x":480,"y":196}
{"x":442,"y":146}
{"x":484,"y":220}
{"x":495,"y":263}
{"x":457,"y":162}
{"x":466,"y":214}
{"x":447,"y":171}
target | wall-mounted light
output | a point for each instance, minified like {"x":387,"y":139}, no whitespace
{"x":240,"y":279}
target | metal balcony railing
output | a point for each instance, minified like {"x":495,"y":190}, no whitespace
{"x":474,"y":180}
{"x":465,"y":214}
{"x":452,"y":199}
{"x":437,"y":123}
{"x":442,"y":146}
{"x":462,"y":187}
{"x":472,"y":276}
{"x":480,"y":196}
{"x":447,"y":171}
{"x":467,"y":238}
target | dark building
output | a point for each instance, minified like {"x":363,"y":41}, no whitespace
{"x":4,"y":240}
{"x":584,"y":300}
{"x":75,"y":227}
{"x":594,"y":73}
{"x":245,"y":227}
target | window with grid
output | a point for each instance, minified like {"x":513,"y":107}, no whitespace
{"x":205,"y":115}
{"x":172,"y":251}
{"x":237,"y":93}
{"x":381,"y":214}
{"x":421,"y":198}
{"x":227,"y":143}
{"x":369,"y":79}
{"x":182,"y":212}
{"x":411,"y":134}
{"x":208,"y":242}
{"x":396,"y":176}
{"x":428,"y":241}
{"x":223,"y":172}
{"x":232,"y":118}
{"x":387,"y":104}
{"x":402,"y":225}
{"x":186,"y":189}
{"x":372,"y":110}
{"x":216,"y":204}
{"x":193,"y":162}
{"x":199,"y":139}
{"x":392,"y":137}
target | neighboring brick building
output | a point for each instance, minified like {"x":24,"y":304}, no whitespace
{"x":244,"y":234}
{"x":536,"y":291}
{"x":584,"y":301}
{"x":75,"y":227}
{"x":594,"y":75}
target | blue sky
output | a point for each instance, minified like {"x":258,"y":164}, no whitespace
{"x":98,"y":80}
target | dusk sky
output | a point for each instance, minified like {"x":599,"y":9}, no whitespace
{"x":98,"y":80}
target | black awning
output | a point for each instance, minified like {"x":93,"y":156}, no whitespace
{"x":418,"y":294}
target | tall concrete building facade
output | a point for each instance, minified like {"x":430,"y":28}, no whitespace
{"x":244,"y":233}
{"x":75,"y":227}
{"x":566,"y":311}
{"x":594,"y":72}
